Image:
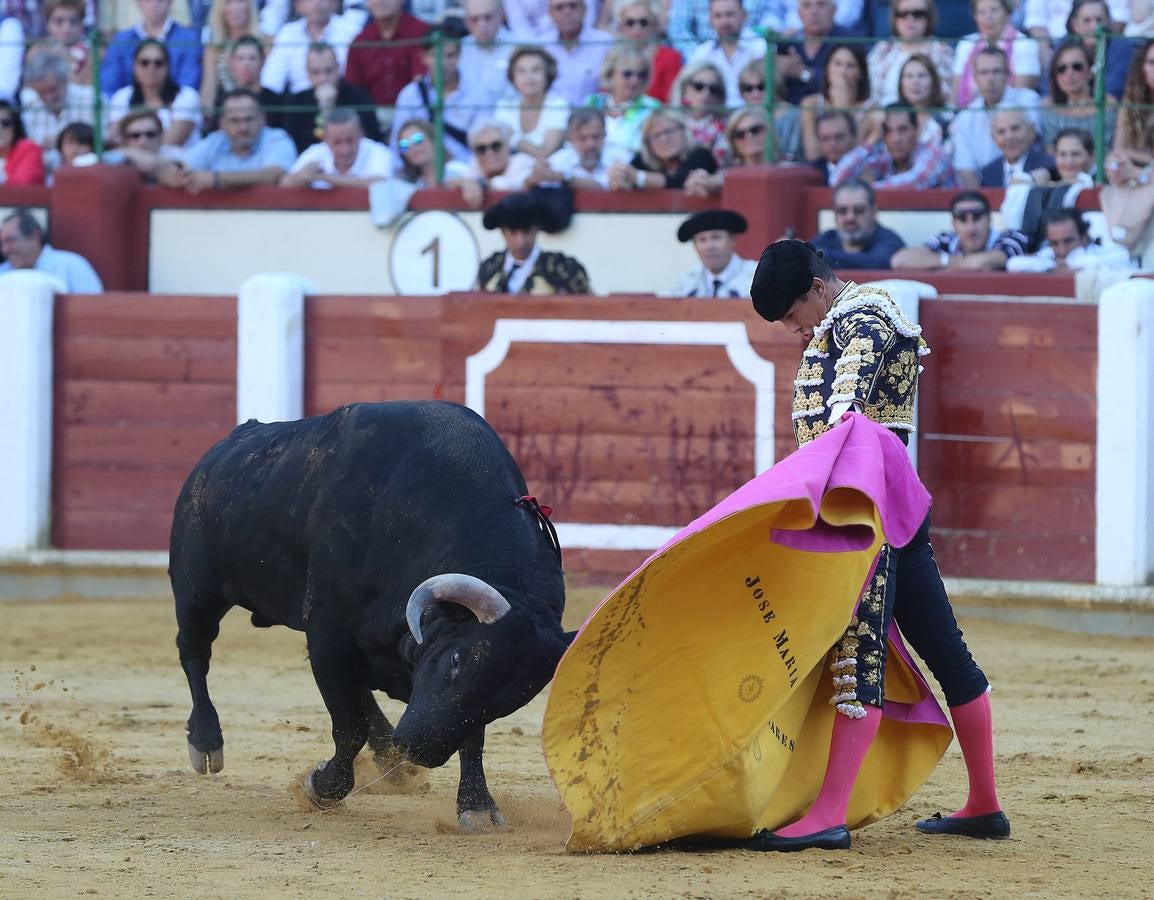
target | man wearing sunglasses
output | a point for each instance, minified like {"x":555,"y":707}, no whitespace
{"x":721,"y":273}
{"x":734,"y":46}
{"x":857,"y":241}
{"x":972,"y":245}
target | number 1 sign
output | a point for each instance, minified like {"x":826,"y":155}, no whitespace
{"x":433,"y":253}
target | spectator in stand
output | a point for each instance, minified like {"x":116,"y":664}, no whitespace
{"x":536,"y":116}
{"x":64,"y":23}
{"x":228,"y":22}
{"x":384,"y":70}
{"x":11,"y":57}
{"x":920,"y":89}
{"x":29,"y":14}
{"x":898,"y":160}
{"x":733,"y":45}
{"x":181,"y":43}
{"x":285,"y":68}
{"x":418,"y":158}
{"x":51,"y":100}
{"x":461,"y":105}
{"x":23,"y":246}
{"x":699,"y":93}
{"x":746,"y":135}
{"x":787,"y":118}
{"x":244,"y":61}
{"x":845,"y":85}
{"x":971,"y":130}
{"x":857,"y":241}
{"x":345,"y":158}
{"x":531,"y":23}
{"x":494,"y":165}
{"x":1131,"y":137}
{"x":579,"y":50}
{"x":803,"y":63}
{"x":913,"y":24}
{"x":1024,"y":63}
{"x":1074,"y":157}
{"x":722,"y":273}
{"x":140,"y":144}
{"x":973,"y":244}
{"x":1069,"y":248}
{"x":586,"y":158}
{"x":624,"y":75}
{"x":1086,"y":17}
{"x":75,"y":145}
{"x":835,"y":137}
{"x":1020,"y":161}
{"x":668,"y":160}
{"x":640,"y":21}
{"x":244,"y":153}
{"x":1071,"y":100}
{"x":21,"y":160}
{"x":523,"y":267}
{"x":485,"y":53}
{"x":153,"y":86}
{"x":304,"y":119}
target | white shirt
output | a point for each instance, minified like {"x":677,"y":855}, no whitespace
{"x":517,"y":279}
{"x":1025,"y":58}
{"x":185,"y":108}
{"x":554,"y":116}
{"x":530,"y":22}
{"x":512,"y":179}
{"x":578,"y":66}
{"x":286,"y":60}
{"x":11,"y":57}
{"x":733,"y":282}
{"x":973,"y":143}
{"x":1106,"y":256}
{"x":568,"y":163}
{"x":373,"y":160}
{"x":749,"y":47}
{"x":486,"y":69}
{"x":43,"y":125}
{"x":1052,"y":15}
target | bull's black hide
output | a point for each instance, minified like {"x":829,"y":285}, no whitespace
{"x":332,"y":526}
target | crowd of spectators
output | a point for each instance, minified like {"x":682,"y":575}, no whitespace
{"x":648,"y":95}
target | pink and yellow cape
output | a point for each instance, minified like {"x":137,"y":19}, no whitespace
{"x":694,"y":700}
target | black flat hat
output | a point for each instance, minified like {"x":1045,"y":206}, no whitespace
{"x":520,"y":211}
{"x":712,"y":220}
{"x":784,"y":274}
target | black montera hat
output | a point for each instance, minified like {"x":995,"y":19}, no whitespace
{"x":712,"y":220}
{"x":517,"y":211}
{"x":784,"y":274}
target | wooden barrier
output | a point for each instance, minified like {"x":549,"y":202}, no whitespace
{"x":624,"y":434}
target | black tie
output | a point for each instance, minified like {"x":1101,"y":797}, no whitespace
{"x":509,"y":277}
{"x":716,"y":286}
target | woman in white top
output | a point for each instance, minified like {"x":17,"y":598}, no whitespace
{"x":418,"y":163}
{"x":994,"y":27}
{"x":153,"y":88}
{"x":537,"y":118}
{"x":912,"y":24}
{"x":624,"y":74}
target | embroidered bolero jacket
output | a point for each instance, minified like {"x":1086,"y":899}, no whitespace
{"x":866,"y":352}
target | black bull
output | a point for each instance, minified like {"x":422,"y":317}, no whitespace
{"x":339,"y":526}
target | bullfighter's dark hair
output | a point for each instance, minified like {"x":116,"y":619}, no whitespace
{"x":785,"y":273}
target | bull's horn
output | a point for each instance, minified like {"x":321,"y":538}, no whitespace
{"x":485,"y":601}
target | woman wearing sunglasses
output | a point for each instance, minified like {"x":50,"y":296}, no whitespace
{"x":912,"y":24}
{"x":1071,"y":100}
{"x":699,"y":93}
{"x":786,"y":116}
{"x":153,"y":87}
{"x":639,"y":21}
{"x":624,"y":74}
{"x":21,"y":160}
{"x":846,"y":86}
{"x":417,"y":146}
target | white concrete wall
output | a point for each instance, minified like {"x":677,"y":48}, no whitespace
{"x":26,"y":308}
{"x":1125,"y":489}
{"x":270,"y":348}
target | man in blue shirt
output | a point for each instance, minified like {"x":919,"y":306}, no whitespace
{"x":23,"y":247}
{"x":245,"y":152}
{"x":858,"y":241}
{"x":183,"y":45}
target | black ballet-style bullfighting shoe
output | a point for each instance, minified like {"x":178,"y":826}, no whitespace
{"x":836,"y":838}
{"x":991,"y":825}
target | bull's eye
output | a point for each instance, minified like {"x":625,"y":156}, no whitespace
{"x":454,"y":663}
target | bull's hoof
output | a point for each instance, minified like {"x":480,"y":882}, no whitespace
{"x":205,"y":761}
{"x":325,"y":789}
{"x":316,"y":799}
{"x":473,"y":820}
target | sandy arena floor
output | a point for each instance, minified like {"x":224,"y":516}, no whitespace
{"x":99,"y":798}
